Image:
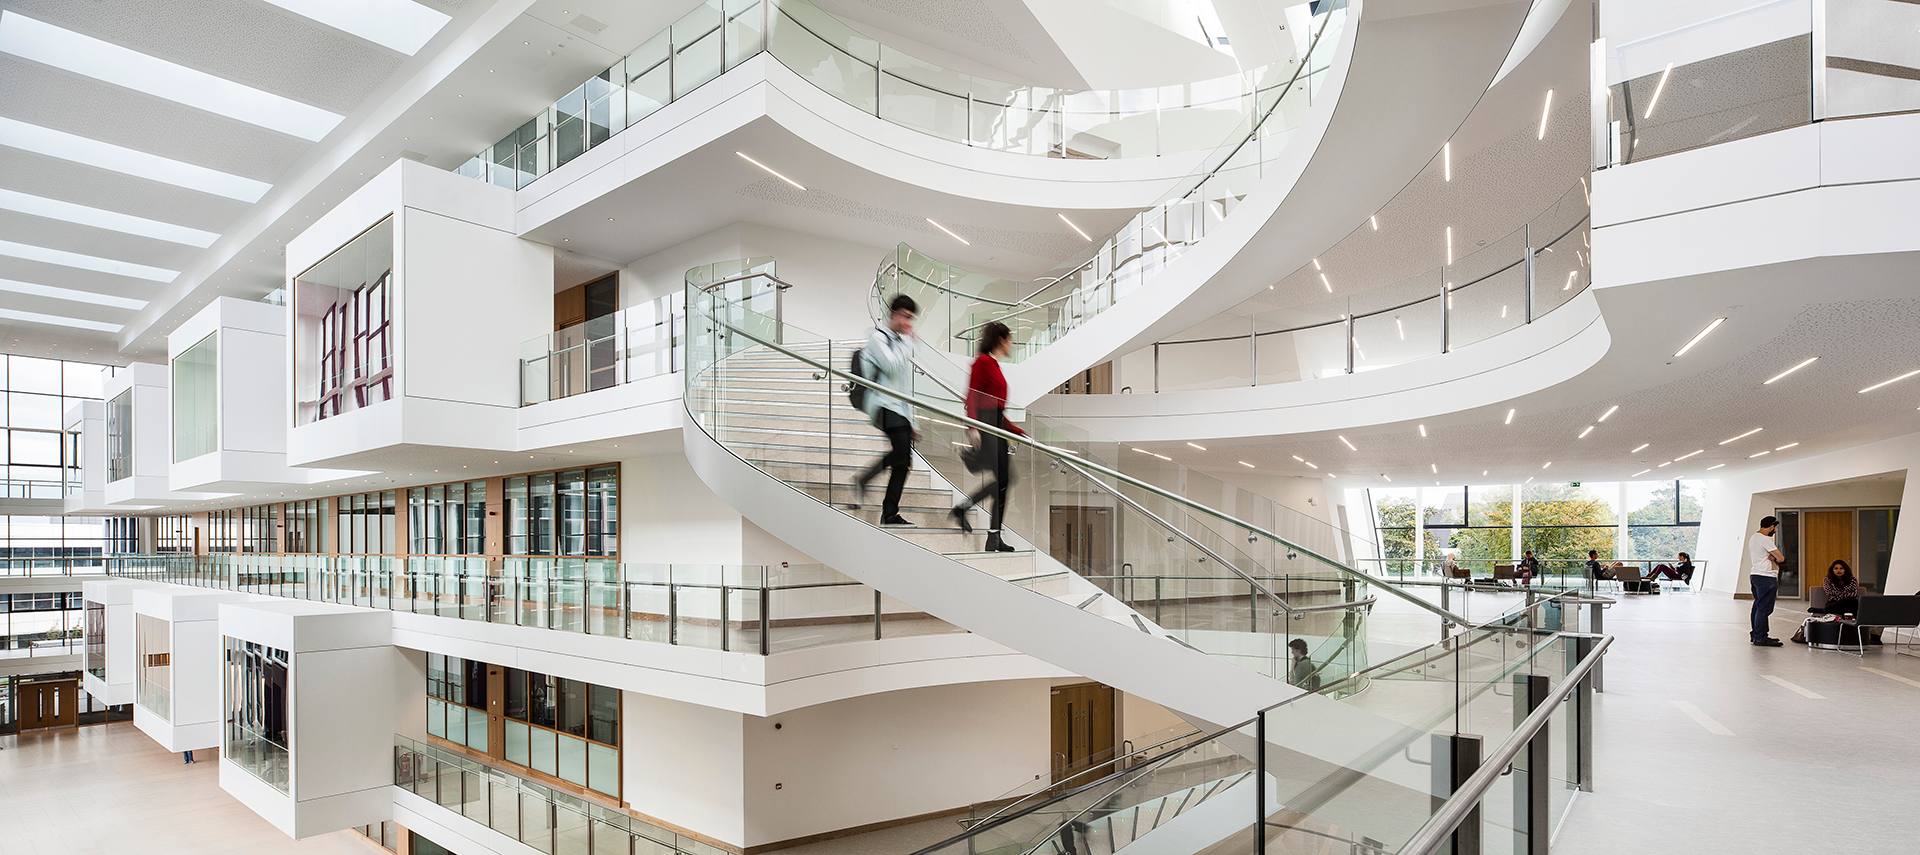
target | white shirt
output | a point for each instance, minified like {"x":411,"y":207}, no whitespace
{"x":1758,"y":545}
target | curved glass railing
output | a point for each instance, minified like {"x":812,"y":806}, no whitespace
{"x":719,"y":35}
{"x":1090,"y":282}
{"x":772,"y":395}
{"x":1498,"y":288}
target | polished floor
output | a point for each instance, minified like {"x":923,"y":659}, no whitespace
{"x":109,"y":789}
{"x":1708,"y":745}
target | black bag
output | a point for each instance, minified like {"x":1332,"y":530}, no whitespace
{"x":856,"y":393}
{"x":975,"y":459}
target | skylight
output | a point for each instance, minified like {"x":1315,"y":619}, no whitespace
{"x":85,"y":55}
{"x":66,"y":146}
{"x":86,"y":262}
{"x":402,"y":25}
{"x":57,"y":210}
{"x":70,"y":294}
{"x":58,"y":320}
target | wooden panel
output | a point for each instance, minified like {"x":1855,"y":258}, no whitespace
{"x":1827,"y":535}
{"x":1082,"y":539}
{"x":570,"y":307}
{"x":1082,"y":718}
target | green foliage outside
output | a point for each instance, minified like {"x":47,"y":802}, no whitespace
{"x":1651,"y":529}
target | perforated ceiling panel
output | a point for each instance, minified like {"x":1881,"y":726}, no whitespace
{"x":1037,"y":244}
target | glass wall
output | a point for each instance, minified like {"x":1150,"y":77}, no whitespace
{"x":41,"y":623}
{"x":120,"y":436}
{"x":256,"y":529}
{"x":52,"y":537}
{"x":152,"y":661}
{"x":366,"y":524}
{"x":196,"y":415}
{"x":96,"y":628}
{"x":173,"y":535}
{"x":563,"y":728}
{"x":306,"y":530}
{"x":447,"y":519}
{"x":256,"y":710}
{"x":576,"y":512}
{"x":1558,"y":521}
{"x":342,"y":328}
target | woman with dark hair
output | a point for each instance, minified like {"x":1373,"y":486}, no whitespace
{"x":987,"y":403}
{"x":1843,"y":590}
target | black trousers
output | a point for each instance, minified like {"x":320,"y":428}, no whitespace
{"x":899,"y":459}
{"x":995,"y":450}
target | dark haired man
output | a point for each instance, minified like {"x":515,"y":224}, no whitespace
{"x":1763,"y":575}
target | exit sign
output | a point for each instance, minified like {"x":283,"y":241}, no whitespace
{"x":1576,"y":483}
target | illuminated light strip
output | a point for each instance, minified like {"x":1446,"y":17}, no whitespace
{"x":1662,"y":87}
{"x":1323,"y":281}
{"x":86,"y":262}
{"x":1546,"y":464}
{"x":949,"y":232}
{"x":65,"y":49}
{"x":1076,"y":229}
{"x":58,"y":320}
{"x":126,"y":161}
{"x":1423,"y":430}
{"x":1887,"y":382}
{"x":1348,"y":444}
{"x":402,"y":25}
{"x":1246,"y":464}
{"x":1809,"y":361}
{"x":1639,"y":473}
{"x":1449,"y":244}
{"x":1197,"y":445}
{"x":1510,"y":416}
{"x":1759,"y":454}
{"x":54,"y":209}
{"x":1687,"y":455}
{"x":1642,"y":447}
{"x":1544,"y":113}
{"x":1446,"y":159}
{"x":88,"y":297}
{"x":1375,"y":220}
{"x":1787,"y":446}
{"x":1715,"y":466}
{"x":1700,"y":335}
{"x":1742,"y":436}
{"x":1583,"y":434}
{"x":1664,"y":465}
{"x":1316,"y":264}
{"x":1435,"y":467}
{"x":769,"y":169}
{"x":1610,"y":411}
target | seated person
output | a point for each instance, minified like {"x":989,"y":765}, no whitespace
{"x":1529,"y":567}
{"x":1843,"y":589}
{"x":1680,"y":571}
{"x":1594,"y":569}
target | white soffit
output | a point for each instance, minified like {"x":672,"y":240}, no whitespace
{"x":55,"y":209}
{"x":89,"y":297}
{"x":402,"y":25}
{"x":86,"y":262}
{"x":84,"y":55}
{"x":78,"y":149}
{"x":57,"y":320}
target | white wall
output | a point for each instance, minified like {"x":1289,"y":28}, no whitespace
{"x":831,"y":279}
{"x":1737,"y":502}
{"x":668,"y":516}
{"x":884,"y":757}
{"x":469,"y":296}
{"x":684,"y":765}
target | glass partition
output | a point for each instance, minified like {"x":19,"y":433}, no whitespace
{"x":257,"y":739}
{"x":120,"y":437}
{"x":342,"y":328}
{"x":196,"y":414}
{"x":152,"y":665}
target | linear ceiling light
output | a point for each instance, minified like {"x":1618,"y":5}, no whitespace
{"x":949,"y":232}
{"x":1316,"y":264}
{"x":1610,"y":411}
{"x":1544,"y":113}
{"x":1510,"y":416}
{"x":1423,"y":430}
{"x":57,"y":320}
{"x":1688,"y":454}
{"x":1348,"y":444}
{"x":769,"y":169}
{"x":1661,"y":87}
{"x":1886,"y":382}
{"x":1435,"y":467}
{"x":84,"y":55}
{"x":1375,"y":220}
{"x":1639,"y":473}
{"x":1643,"y":447}
{"x":1323,"y":281}
{"x":1197,"y":445}
{"x":1759,"y":454}
{"x":1787,"y":446}
{"x":87,"y":297}
{"x":1698,"y":336}
{"x":1246,"y":464}
{"x":1742,"y":436}
{"x":1808,"y":361}
{"x":1309,"y":464}
{"x":1664,"y":465}
{"x":1546,"y":464}
{"x":1583,"y":434}
{"x":1446,"y":160}
{"x":1076,"y":229}
{"x":402,"y":25}
{"x":86,"y":262}
{"x":55,"y":209}
{"x":65,"y":146}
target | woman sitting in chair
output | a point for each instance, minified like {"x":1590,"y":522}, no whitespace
{"x":1843,"y":590}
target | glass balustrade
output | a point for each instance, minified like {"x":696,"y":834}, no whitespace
{"x":546,"y":819}
{"x":907,"y":91}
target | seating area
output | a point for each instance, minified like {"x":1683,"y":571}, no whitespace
{"x":1846,"y":633}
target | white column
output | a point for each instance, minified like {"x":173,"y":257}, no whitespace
{"x":1517,"y":508}
{"x":1620,"y":544}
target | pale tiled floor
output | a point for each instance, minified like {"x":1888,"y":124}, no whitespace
{"x":109,"y":789}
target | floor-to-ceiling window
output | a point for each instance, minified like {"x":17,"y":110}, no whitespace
{"x":1558,"y":521}
{"x":566,"y":729}
{"x":574,"y":512}
{"x":196,"y":422}
{"x":343,"y":332}
{"x":447,"y":519}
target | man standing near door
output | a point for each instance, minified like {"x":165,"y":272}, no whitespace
{"x":1764,"y":577}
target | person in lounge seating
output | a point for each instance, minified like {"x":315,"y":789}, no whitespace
{"x":1680,"y":571}
{"x":1843,"y":589}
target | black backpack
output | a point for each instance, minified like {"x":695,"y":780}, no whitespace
{"x":856,"y":393}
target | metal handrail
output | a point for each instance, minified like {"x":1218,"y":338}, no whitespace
{"x":1010,"y":436}
{"x":970,"y":823}
{"x":1440,"y":827}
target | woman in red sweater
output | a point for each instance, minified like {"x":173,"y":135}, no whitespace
{"x":987,"y":403}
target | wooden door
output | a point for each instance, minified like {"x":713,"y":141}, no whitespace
{"x":1082,"y":729}
{"x":1825,"y":536}
{"x":1082,"y":539}
{"x":50,"y":703}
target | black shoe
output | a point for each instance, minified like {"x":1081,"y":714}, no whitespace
{"x":1771,"y":642}
{"x":960,"y":516}
{"x":995,"y":544}
{"x":896,"y":521}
